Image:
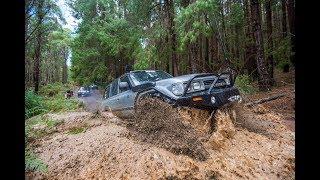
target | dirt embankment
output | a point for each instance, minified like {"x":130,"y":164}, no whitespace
{"x":111,"y":148}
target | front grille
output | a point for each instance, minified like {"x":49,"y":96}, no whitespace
{"x":219,"y":84}
{"x":207,"y":82}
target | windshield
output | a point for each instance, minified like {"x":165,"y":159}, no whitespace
{"x":83,"y":89}
{"x":141,"y":77}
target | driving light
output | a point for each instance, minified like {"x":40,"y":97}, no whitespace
{"x":235,"y":98}
{"x":213,"y":99}
{"x":177,"y":89}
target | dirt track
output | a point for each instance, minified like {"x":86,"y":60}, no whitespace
{"x":92,"y":102}
{"x":258,"y":144}
{"x":105,"y":151}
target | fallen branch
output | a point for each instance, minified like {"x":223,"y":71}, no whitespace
{"x":260,"y":101}
{"x":287,"y":83}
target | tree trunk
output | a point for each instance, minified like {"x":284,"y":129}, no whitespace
{"x":184,"y":4}
{"x":269,"y":39}
{"x":284,"y":18}
{"x":39,"y":14}
{"x":237,"y":42}
{"x":173,"y":38}
{"x":206,"y":55}
{"x":215,"y":51}
{"x":249,"y":54}
{"x":222,"y":35}
{"x":291,"y":17}
{"x":65,"y":68}
{"x":193,"y":58}
{"x":200,"y":59}
{"x":167,"y":60}
{"x":264,"y":82}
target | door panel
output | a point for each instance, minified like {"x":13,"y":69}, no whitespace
{"x":112,"y":101}
{"x":126,"y":101}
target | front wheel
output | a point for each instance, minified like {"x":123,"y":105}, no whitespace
{"x":151,"y":94}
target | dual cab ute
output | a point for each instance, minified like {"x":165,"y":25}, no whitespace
{"x":203,"y":91}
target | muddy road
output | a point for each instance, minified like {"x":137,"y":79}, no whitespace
{"x":108,"y":149}
{"x":92,"y":102}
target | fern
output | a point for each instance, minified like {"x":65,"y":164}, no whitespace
{"x":33,"y":163}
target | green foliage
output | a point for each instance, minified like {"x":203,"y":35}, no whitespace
{"x":54,"y":98}
{"x":54,"y":40}
{"x":34,"y":104}
{"x":50,"y":98}
{"x":54,"y":89}
{"x":244,"y":84}
{"x":33,"y":163}
{"x":190,"y":21}
{"x":39,"y":126}
{"x":145,"y":57}
{"x":77,"y":130}
{"x":102,"y":43}
{"x":59,"y":103}
{"x":282,"y":53}
{"x":113,"y":34}
{"x":282,"y":64}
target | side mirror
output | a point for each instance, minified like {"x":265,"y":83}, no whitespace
{"x":123,"y":85}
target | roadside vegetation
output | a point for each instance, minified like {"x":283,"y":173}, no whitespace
{"x":33,"y":163}
{"x":35,"y":128}
{"x":245,"y":84}
{"x":50,"y":99}
{"x":77,"y":130}
{"x":37,"y":125}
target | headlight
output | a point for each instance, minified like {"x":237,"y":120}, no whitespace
{"x":196,"y":86}
{"x":177,"y":89}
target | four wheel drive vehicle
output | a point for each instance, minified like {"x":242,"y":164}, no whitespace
{"x":84,"y":92}
{"x":93,"y":87}
{"x":203,"y":91}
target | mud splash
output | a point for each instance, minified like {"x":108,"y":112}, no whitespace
{"x":159,"y":123}
{"x":224,"y":129}
{"x":200,"y":120}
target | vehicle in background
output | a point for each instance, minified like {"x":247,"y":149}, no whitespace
{"x":84,"y":92}
{"x":93,"y":87}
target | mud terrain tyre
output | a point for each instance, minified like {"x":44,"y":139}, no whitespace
{"x":140,"y":97}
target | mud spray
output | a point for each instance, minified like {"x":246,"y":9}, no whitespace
{"x":223,"y":139}
{"x":182,"y":130}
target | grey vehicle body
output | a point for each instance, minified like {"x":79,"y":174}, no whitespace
{"x":123,"y":93}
